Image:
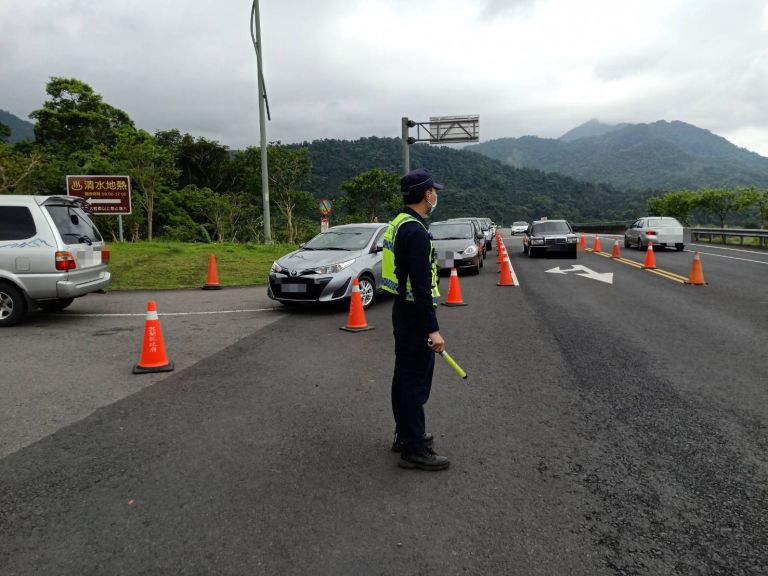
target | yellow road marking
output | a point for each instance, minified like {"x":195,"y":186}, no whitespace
{"x":658,"y":271}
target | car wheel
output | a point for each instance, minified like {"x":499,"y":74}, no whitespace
{"x":13,"y":306}
{"x":626,"y":242}
{"x":530,"y":252}
{"x":367,"y":291}
{"x":482,"y":263}
{"x":55,"y":305}
{"x":680,"y":247}
{"x":640,"y":245}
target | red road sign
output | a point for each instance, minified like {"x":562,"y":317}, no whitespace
{"x":326,"y":207}
{"x":104,"y":194}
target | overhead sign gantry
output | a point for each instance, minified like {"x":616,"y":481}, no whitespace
{"x":440,"y":130}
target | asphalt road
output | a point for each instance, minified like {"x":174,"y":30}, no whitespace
{"x":605,"y":429}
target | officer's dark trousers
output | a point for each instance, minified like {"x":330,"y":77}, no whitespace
{"x":412,"y":380}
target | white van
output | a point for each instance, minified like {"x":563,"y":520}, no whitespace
{"x":50,"y":253}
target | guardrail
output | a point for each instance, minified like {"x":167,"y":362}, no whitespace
{"x":725,"y":233}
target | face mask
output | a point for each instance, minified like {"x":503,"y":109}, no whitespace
{"x":432,"y":206}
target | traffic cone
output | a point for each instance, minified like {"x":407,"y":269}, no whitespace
{"x":503,"y":255}
{"x":596,"y":245}
{"x":212,"y":282}
{"x":696,"y":277}
{"x":650,"y":259}
{"x":356,"y":321}
{"x":583,"y":242}
{"x":153,"y":357}
{"x":615,"y":253}
{"x":505,"y":278}
{"x":454,"y":291}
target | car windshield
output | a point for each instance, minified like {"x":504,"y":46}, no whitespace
{"x":450,"y":231}
{"x":520,"y":223}
{"x":347,"y":238}
{"x":663,"y":223}
{"x":552,"y":228}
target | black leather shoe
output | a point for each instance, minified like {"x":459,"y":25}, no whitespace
{"x":426,"y":461}
{"x":398,"y":444}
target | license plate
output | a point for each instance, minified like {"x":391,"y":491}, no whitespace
{"x":295,"y":288}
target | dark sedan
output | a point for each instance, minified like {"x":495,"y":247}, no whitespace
{"x":550,"y":237}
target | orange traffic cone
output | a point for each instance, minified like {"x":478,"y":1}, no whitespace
{"x":696,"y":277}
{"x":615,"y":253}
{"x":505,"y":278}
{"x":454,"y":291}
{"x":153,"y":357}
{"x":583,"y":242}
{"x":212,"y":282}
{"x":596,"y":246}
{"x":502,"y":254}
{"x":650,"y":259}
{"x":356,"y":321}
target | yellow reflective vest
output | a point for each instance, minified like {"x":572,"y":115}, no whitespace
{"x":389,"y":278}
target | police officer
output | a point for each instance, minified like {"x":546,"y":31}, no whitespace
{"x":409,"y":270}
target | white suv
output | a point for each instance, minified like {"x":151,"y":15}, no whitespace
{"x":50,"y":253}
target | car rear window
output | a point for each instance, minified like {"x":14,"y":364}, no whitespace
{"x":73,"y":224}
{"x":450,"y":231}
{"x":552,"y":228}
{"x":520,"y":223}
{"x":16,"y":223}
{"x":662,"y":222}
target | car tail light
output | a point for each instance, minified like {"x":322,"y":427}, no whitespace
{"x":651,"y":233}
{"x":105,"y":254}
{"x":65,"y":261}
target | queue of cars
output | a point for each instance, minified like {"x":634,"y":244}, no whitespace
{"x":322,"y":270}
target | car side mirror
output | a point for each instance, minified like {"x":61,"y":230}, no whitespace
{"x":480,"y":235}
{"x":302,"y":245}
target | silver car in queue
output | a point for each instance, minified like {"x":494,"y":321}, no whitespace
{"x":662,"y":231}
{"x":322,"y":270}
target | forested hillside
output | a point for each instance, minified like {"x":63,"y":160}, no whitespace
{"x":662,"y":155}
{"x":475,"y":184}
{"x":20,"y":129}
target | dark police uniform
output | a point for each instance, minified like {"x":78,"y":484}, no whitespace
{"x":412,"y":322}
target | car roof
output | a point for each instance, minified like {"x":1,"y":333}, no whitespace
{"x":547,"y":220}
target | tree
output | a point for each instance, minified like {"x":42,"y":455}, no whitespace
{"x":717,"y":201}
{"x":76,"y":118}
{"x":5,"y":133}
{"x":18,"y":164}
{"x":752,"y":197}
{"x":372,"y":194}
{"x":203,"y":163}
{"x":149,"y":165}
{"x":678,"y":204}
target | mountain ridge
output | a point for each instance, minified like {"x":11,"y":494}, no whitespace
{"x":659,"y":155}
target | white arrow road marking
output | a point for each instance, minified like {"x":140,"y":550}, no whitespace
{"x":585,"y":272}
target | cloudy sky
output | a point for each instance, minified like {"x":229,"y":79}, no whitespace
{"x":353,"y":68}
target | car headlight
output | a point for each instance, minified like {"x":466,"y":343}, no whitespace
{"x":333,"y":268}
{"x":276,"y":267}
{"x":537,"y":240}
{"x":571,"y":240}
{"x":470,"y":251}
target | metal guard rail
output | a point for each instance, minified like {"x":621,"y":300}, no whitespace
{"x":724,"y":233}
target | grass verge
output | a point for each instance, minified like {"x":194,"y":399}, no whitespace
{"x":169,"y":265}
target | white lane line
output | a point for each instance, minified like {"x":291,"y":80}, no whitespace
{"x":180,"y":313}
{"x":731,"y":257}
{"x":724,"y":248}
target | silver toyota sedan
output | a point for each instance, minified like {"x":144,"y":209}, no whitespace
{"x":322,"y":270}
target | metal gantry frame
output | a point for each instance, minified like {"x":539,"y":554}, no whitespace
{"x":439,"y":130}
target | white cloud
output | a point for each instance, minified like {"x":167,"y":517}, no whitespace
{"x":352,"y":68}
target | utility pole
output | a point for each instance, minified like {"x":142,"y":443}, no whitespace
{"x":256,"y":28}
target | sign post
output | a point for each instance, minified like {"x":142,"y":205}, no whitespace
{"x":105,"y":195}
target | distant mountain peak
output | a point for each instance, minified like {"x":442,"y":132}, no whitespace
{"x":590,"y":129}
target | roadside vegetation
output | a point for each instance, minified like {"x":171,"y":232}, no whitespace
{"x":169,"y":265}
